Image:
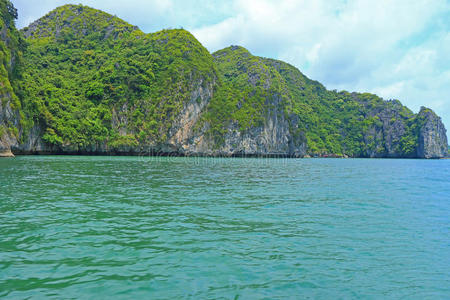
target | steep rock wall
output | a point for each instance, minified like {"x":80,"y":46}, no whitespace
{"x":432,"y":135}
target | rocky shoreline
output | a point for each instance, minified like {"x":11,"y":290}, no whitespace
{"x":6,"y":153}
{"x":9,"y":154}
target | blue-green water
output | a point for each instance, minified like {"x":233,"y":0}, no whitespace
{"x":170,"y":228}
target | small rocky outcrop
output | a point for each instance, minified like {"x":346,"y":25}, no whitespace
{"x":432,"y":141}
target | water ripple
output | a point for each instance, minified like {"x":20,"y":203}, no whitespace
{"x":129,"y":227}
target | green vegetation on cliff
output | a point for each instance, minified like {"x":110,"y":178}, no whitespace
{"x":87,"y":71}
{"x":333,"y":122}
{"x":11,"y":46}
{"x":90,"y":82}
{"x":247,"y":89}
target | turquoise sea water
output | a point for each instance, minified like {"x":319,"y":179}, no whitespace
{"x":196,"y":228}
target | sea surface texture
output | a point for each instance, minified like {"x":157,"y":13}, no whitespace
{"x":200,"y":228}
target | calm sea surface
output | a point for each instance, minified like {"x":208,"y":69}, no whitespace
{"x":171,"y":228}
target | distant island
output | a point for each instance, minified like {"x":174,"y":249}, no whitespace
{"x":81,"y":81}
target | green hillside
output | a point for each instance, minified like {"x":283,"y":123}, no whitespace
{"x":83,"y":68}
{"x":79,"y":80}
{"x":334,"y":122}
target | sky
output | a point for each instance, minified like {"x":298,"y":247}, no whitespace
{"x":398,"y":49}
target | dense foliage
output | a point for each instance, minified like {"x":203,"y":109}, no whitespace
{"x":11,"y":45}
{"x":91,"y":78}
{"x":334,"y":122}
{"x":247,"y":90}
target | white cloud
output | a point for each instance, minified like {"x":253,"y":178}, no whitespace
{"x":392,"y":89}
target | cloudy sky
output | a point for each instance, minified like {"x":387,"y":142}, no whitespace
{"x":397,"y":49}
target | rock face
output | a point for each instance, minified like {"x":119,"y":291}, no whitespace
{"x":273,"y":139}
{"x":385,"y":136}
{"x":432,"y":135}
{"x":7,"y":118}
{"x":273,"y":136}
